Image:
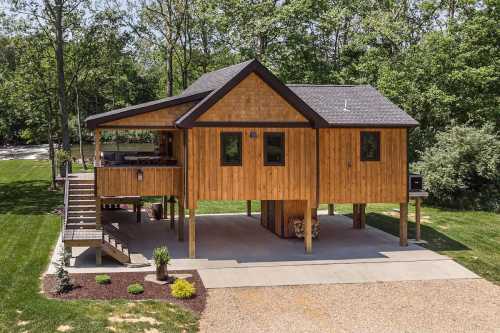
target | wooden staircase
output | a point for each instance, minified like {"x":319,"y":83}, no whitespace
{"x":80,"y":226}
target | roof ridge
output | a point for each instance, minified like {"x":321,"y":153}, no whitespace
{"x":326,"y":85}
{"x":228,"y":67}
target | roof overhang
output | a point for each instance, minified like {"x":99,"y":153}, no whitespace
{"x":94,"y":121}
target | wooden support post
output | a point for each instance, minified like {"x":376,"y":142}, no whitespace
{"x":97,"y":140}
{"x":164,"y":205}
{"x":331,"y":210}
{"x":403,"y":224}
{"x":98,"y":213}
{"x":249,"y":207}
{"x":98,"y":256}
{"x":68,"y":253}
{"x":180,"y":225}
{"x":308,"y":227}
{"x":192,"y":233}
{"x":417,"y":218}
{"x":356,"y":224}
{"x":172,"y":213}
{"x":138,"y":212}
{"x":362,"y":216}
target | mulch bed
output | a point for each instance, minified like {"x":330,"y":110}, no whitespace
{"x":87,"y":288}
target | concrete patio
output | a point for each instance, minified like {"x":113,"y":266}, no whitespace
{"x":235,"y":251}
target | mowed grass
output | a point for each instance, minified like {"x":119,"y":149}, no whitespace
{"x":28,"y":233}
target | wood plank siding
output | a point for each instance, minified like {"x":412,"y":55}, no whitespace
{"x":344,"y":178}
{"x":208,"y":180}
{"x":123,"y":181}
{"x":252,"y":100}
{"x":160,"y":118}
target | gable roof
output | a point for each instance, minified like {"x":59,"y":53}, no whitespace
{"x":229,"y":78}
{"x":133,"y":110}
{"x":322,"y":105}
{"x":352,"y":105}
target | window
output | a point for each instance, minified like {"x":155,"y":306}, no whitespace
{"x":370,"y":146}
{"x":230,"y":148}
{"x":274,"y":148}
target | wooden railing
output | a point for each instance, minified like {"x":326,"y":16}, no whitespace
{"x":139,"y":180}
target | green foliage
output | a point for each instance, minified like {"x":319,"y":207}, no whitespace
{"x":135,"y":288}
{"x":161,"y":256}
{"x":183,"y":289}
{"x":103,"y":279}
{"x":63,"y":156}
{"x":462,"y":169}
{"x":63,"y":280}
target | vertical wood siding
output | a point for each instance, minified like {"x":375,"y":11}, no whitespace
{"x":362,"y":182}
{"x":122,"y":181}
{"x":208,"y":180}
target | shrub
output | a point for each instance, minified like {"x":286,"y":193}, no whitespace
{"x":183,"y":289}
{"x":63,"y":280}
{"x":161,"y":256}
{"x":103,"y":279}
{"x":135,"y":288}
{"x":462,"y":169}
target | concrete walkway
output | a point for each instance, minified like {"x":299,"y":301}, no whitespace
{"x":235,"y":251}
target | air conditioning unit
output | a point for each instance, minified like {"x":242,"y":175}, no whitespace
{"x":416,"y":183}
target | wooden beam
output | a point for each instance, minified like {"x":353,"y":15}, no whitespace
{"x":331,"y":209}
{"x":192,"y":233}
{"x":172,"y":212}
{"x":138,"y":212}
{"x":98,"y":213}
{"x":98,"y":256}
{"x":180,"y":225}
{"x":308,"y":227}
{"x":403,"y":224}
{"x":417,"y":218}
{"x":249,"y":207}
{"x":362,"y":216}
{"x":97,"y":140}
{"x":356,"y":216}
{"x":164,"y":205}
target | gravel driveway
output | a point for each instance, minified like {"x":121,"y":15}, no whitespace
{"x":411,"y":306}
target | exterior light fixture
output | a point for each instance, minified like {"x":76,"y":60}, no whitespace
{"x":253,"y":134}
{"x":140,"y":175}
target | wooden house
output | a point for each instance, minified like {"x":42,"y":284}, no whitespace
{"x":239,"y":133}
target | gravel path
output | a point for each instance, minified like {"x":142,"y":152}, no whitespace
{"x":411,"y":306}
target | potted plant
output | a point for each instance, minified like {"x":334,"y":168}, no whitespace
{"x":63,"y":157}
{"x":162,"y":258}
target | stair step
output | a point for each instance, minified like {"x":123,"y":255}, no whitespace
{"x":85,"y":213}
{"x":81,"y":181}
{"x":81,"y":219}
{"x":81,"y":191}
{"x":82,"y":202}
{"x":81,"y":186}
{"x":82,"y":196}
{"x":80,"y":225}
{"x":72,"y":207}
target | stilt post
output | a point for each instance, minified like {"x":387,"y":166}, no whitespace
{"x":362,"y":216}
{"x":192,"y":233}
{"x":331,"y":209}
{"x":417,"y":218}
{"x":172,"y":212}
{"x":98,"y":256}
{"x":403,"y":224}
{"x":249,"y":207}
{"x":180,"y":225}
{"x":308,"y":227}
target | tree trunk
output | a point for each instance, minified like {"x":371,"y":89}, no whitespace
{"x":82,"y":157}
{"x":61,"y":93}
{"x":170,"y":71}
{"x":51,"y":148}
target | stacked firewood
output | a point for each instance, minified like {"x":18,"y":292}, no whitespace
{"x":298,"y":225}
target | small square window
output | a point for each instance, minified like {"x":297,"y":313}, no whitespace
{"x":370,"y":146}
{"x":274,"y":148}
{"x":230,"y":148}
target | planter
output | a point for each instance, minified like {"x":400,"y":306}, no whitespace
{"x":161,"y":274}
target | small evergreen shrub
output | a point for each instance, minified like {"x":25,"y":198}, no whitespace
{"x":63,"y":280}
{"x":103,"y":279}
{"x":135,"y":288}
{"x":183,"y":289}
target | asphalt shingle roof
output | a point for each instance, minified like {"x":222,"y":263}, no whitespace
{"x":338,"y":105}
{"x":352,"y":105}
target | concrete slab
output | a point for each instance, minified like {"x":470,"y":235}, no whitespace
{"x":235,"y":251}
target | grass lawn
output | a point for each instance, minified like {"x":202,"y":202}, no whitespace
{"x":28,"y":233}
